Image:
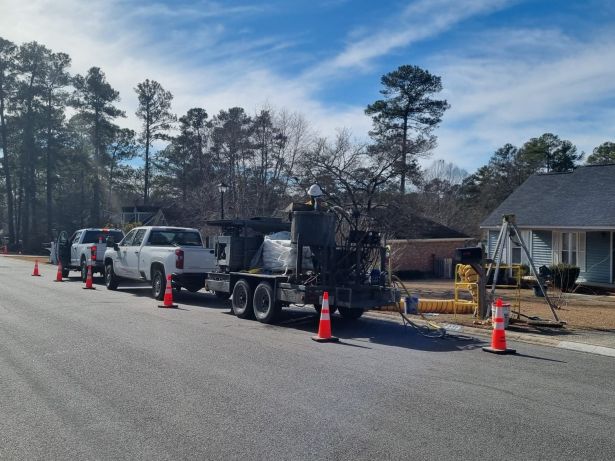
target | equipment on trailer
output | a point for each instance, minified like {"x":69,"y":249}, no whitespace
{"x":311,"y":254}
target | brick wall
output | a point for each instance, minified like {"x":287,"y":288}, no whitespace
{"x":419,"y":255}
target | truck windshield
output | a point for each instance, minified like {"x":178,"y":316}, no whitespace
{"x":174,"y":237}
{"x":93,"y":236}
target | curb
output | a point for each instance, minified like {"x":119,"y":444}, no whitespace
{"x":519,"y":337}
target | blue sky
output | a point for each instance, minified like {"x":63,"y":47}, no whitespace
{"x":511,"y":69}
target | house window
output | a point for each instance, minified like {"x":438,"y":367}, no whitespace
{"x":569,"y":248}
{"x":517,"y":255}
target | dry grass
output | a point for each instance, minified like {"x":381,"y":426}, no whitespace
{"x":579,"y":311}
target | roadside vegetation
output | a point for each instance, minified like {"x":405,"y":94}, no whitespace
{"x":68,"y":160}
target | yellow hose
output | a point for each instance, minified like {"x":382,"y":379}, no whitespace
{"x":444,"y":306}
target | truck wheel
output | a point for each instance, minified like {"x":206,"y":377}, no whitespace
{"x":266,"y":309}
{"x":111,"y":280}
{"x":65,"y":273}
{"x":84,"y":270}
{"x":159,"y":284}
{"x":350,"y":314}
{"x":242,"y":300}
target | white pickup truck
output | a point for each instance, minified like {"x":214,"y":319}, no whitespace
{"x":149,"y":253}
{"x":76,"y":252}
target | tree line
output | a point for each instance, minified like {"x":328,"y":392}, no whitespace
{"x":67,"y":161}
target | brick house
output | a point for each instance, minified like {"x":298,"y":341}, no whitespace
{"x":425,"y":248}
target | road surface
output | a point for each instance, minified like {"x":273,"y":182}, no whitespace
{"x":107,"y":375}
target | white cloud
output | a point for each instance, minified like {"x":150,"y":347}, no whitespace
{"x":521,"y":86}
{"x":419,"y":20}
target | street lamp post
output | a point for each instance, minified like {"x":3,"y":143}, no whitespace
{"x":222,"y":188}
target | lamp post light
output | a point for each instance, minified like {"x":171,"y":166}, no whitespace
{"x":222,"y":188}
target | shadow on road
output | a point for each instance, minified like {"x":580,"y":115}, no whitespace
{"x":363,"y":332}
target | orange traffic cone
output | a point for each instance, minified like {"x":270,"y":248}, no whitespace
{"x":35,"y":273}
{"x":168,"y":295}
{"x":59,"y":272}
{"x":324,"y":327}
{"x":498,"y":336}
{"x":89,"y":280}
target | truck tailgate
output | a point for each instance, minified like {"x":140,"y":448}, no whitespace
{"x":198,"y":259}
{"x":100,"y":250}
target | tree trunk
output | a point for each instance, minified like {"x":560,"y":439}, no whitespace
{"x":95,"y":201}
{"x":404,"y":147}
{"x":147,"y":142}
{"x":49,"y":176}
{"x":7,"y":168}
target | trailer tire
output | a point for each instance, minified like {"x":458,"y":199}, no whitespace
{"x":242,"y":300}
{"x":266,"y":309}
{"x":350,"y":314}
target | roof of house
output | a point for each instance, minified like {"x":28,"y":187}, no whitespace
{"x":419,"y":227}
{"x":584,"y":197}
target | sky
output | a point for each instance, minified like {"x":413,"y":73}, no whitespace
{"x":511,"y":69}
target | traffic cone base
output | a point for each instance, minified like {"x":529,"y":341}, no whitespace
{"x":499,"y":351}
{"x":498,"y":336}
{"x":168,"y":296}
{"x":324,"y":326}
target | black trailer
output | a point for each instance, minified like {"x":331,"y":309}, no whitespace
{"x":350,"y":269}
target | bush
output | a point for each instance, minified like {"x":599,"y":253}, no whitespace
{"x":564,"y":276}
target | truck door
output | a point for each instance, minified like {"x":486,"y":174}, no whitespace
{"x":63,"y":249}
{"x":74,"y":250}
{"x":121,"y":264}
{"x":132,"y":254}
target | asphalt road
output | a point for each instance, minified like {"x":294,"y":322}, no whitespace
{"x":107,"y":375}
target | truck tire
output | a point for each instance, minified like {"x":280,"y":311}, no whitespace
{"x":65,"y":273}
{"x":350,"y":314}
{"x":242,"y":300}
{"x":111,"y":280}
{"x":266,"y":309}
{"x":159,"y":283}
{"x":84,"y":270}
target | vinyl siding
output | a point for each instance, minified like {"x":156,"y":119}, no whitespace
{"x":541,"y":248}
{"x":598,"y":259}
{"x":491,"y":241}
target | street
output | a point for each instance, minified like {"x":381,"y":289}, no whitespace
{"x":108,"y":375}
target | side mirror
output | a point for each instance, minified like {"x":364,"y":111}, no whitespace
{"x":116,"y":247}
{"x":110,"y":241}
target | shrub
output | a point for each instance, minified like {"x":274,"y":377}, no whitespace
{"x":564,"y":276}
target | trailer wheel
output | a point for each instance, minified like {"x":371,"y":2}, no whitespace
{"x":350,"y":314}
{"x":242,"y":300}
{"x":266,"y":309}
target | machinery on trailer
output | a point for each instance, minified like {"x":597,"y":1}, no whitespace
{"x":268,"y":263}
